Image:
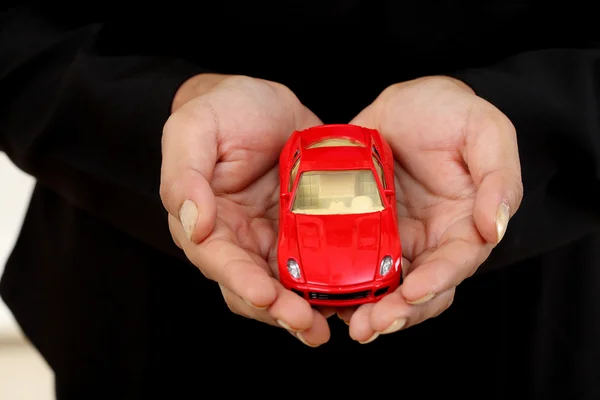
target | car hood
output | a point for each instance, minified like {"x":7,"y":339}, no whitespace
{"x":339,"y":249}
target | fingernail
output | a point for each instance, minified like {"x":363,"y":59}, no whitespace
{"x":422,"y":300}
{"x":369,"y":340}
{"x":286,"y":326}
{"x":502,"y":217}
{"x":301,"y":338}
{"x":395,"y":326}
{"x":188,"y":215}
{"x":255,"y":306}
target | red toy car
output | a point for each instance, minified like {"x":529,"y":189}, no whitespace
{"x":338,"y":236}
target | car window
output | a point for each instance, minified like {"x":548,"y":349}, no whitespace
{"x":379,"y":169}
{"x":293,"y":175}
{"x":376,"y":152}
{"x":335,"y":142}
{"x":337,"y":192}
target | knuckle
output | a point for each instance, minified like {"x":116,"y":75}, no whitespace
{"x":449,"y":302}
{"x":180,"y":119}
{"x":471,"y":271}
{"x":444,"y":307}
{"x":246,"y":85}
{"x":391,"y":91}
{"x":230,"y":305}
{"x":284,"y":91}
{"x":208,"y":276}
{"x":231,"y":301}
{"x":197,"y":258}
{"x":173,"y":231}
{"x":172,"y":122}
{"x":438,"y":313}
{"x":239,"y":80}
{"x":518,"y":193}
{"x":261,"y":88}
{"x":166,"y":193}
{"x":176,"y":240}
{"x":440,"y":81}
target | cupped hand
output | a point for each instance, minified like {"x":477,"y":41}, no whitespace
{"x":220,"y":186}
{"x":458,"y":182}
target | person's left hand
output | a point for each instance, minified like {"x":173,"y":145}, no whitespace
{"x":458,"y":182}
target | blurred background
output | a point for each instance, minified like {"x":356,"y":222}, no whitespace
{"x":24,"y":375}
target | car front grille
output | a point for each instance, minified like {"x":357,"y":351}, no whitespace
{"x":339,"y":296}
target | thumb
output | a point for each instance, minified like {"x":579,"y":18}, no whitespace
{"x":492,"y":156}
{"x":189,"y":149}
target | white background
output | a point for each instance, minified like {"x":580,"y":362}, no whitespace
{"x":24,"y":375}
{"x":15,"y":191}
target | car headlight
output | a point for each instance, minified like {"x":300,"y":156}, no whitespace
{"x":293,"y":268}
{"x":386,"y":265}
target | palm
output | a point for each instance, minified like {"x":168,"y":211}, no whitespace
{"x":254,"y":118}
{"x":220,"y":184}
{"x":435,"y":190}
{"x":427,"y":208}
{"x":248,"y":218}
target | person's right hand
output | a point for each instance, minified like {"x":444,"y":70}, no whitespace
{"x":220,"y":185}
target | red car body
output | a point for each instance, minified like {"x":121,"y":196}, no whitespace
{"x":338,"y":235}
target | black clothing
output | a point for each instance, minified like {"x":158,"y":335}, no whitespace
{"x":98,"y":286}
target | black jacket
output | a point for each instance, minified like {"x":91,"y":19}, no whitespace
{"x":98,"y":286}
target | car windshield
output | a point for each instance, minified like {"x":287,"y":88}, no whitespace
{"x":335,"y":142}
{"x":337,"y":192}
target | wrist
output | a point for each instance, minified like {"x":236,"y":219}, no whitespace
{"x":195,"y":86}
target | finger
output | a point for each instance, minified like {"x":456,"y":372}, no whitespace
{"x":413,"y":235}
{"x":256,"y":119}
{"x":174,"y":226}
{"x":492,"y":156}
{"x":360,"y":324}
{"x":226,"y":263}
{"x":406,"y":267}
{"x":460,"y":253}
{"x":392,"y":313}
{"x":366,"y":117}
{"x":345,"y":314}
{"x":189,"y":150}
{"x":291,"y":311}
{"x":316,"y":335}
{"x":195,"y":86}
{"x":239,"y":306}
{"x":306,"y":324}
{"x":326,"y":311}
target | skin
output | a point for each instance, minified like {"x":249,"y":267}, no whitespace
{"x":458,"y":180}
{"x":220,"y":152}
{"x":457,"y":165}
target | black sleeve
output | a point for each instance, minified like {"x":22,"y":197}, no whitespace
{"x":553,"y":99}
{"x":85,"y":122}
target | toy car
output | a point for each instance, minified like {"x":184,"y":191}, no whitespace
{"x":338,"y":235}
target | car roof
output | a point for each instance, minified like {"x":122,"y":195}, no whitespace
{"x":326,"y":158}
{"x":334,"y":131}
{"x":318,"y":148}
{"x":336,"y":156}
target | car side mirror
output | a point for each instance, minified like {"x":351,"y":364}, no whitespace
{"x":286,"y":196}
{"x":388,"y":192}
